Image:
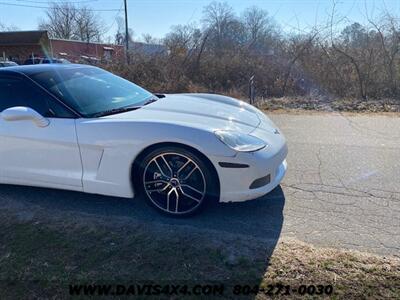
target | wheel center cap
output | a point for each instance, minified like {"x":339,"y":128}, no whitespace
{"x":174,"y":182}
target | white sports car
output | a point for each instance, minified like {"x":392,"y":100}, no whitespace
{"x":81,"y":128}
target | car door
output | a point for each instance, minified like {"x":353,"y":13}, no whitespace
{"x":34,"y":155}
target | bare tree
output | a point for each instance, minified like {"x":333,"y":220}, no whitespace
{"x":296,"y":48}
{"x":7,"y":28}
{"x":218,"y":16}
{"x":88,"y":27}
{"x":183,"y":40}
{"x":354,"y":45}
{"x":120,"y":35}
{"x":60,"y":20}
{"x":67,"y":21}
{"x":223,"y":27}
{"x":182,"y":37}
{"x":149,"y":39}
{"x":389,"y":37}
{"x":260,"y":28}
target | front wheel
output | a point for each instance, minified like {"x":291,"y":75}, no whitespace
{"x":176,"y":181}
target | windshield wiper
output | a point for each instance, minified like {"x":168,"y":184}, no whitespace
{"x":114,"y":111}
{"x":121,"y":109}
{"x":151,"y":100}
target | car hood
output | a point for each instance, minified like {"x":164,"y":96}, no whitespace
{"x":198,"y":110}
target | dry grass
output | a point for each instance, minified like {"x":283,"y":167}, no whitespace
{"x":330,"y":105}
{"x":56,"y":254}
{"x":354,"y":275}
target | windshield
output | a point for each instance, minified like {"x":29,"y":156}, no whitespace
{"x":91,"y":91}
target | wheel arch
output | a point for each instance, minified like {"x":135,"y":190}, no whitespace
{"x":136,"y":163}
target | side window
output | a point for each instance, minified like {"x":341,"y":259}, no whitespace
{"x":20,"y":92}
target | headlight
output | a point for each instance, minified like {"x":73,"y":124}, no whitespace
{"x":239,"y":141}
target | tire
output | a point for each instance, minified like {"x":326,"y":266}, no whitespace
{"x":176,"y":181}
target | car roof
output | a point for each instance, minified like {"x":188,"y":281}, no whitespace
{"x":29,"y":70}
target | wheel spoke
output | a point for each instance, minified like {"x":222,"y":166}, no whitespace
{"x":192,"y":188}
{"x":156,"y":189}
{"x":164,"y":183}
{"x":168,"y":198}
{"x":181,"y":168}
{"x":156,"y":181}
{"x":190,"y":173}
{"x":169,"y":168}
{"x":161,"y":170}
{"x":177,"y":200}
{"x":191,"y":197}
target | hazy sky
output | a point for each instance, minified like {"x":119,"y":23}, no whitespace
{"x":157,"y":16}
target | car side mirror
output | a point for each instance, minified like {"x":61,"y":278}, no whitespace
{"x":21,"y":113}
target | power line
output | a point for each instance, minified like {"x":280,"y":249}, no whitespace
{"x":49,"y":7}
{"x":115,"y":19}
{"x":67,"y":2}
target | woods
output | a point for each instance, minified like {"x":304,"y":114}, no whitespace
{"x":333,"y":59}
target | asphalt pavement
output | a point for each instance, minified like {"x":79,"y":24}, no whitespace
{"x":343,"y":184}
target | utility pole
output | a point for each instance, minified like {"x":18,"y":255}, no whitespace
{"x":126,"y":34}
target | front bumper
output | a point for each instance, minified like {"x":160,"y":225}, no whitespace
{"x":248,"y":194}
{"x":235,"y":182}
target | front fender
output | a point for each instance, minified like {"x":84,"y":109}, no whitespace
{"x":109,"y":147}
